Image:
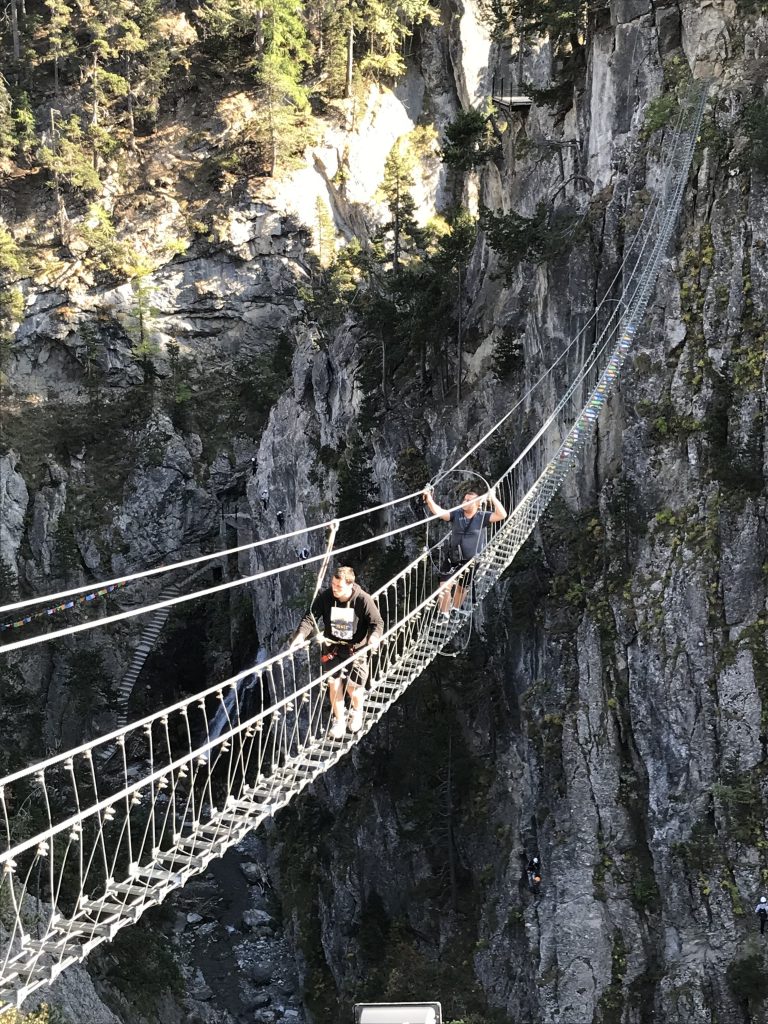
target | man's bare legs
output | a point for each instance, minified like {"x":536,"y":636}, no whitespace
{"x":356,"y":701}
{"x":450,"y":598}
{"x":336,"y":690}
{"x":336,"y":695}
{"x":444,"y":599}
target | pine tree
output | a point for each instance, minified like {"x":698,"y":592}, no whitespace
{"x":8,"y":138}
{"x":356,"y":489}
{"x":9,"y":582}
{"x":15,"y":38}
{"x":415,"y":313}
{"x":381,"y":26}
{"x":563,"y":22}
{"x":286,"y":52}
{"x":68,"y":160}
{"x":257,"y":27}
{"x":112,"y":34}
{"x":324,"y":233}
{"x":93,"y":378}
{"x":68,"y":155}
{"x":517,"y":238}
{"x":395,"y":189}
{"x":235,"y":21}
{"x":383,"y":262}
{"x":177,"y":382}
{"x":272,"y":41}
{"x":60,"y":35}
{"x":140,"y":325}
{"x":329,"y":26}
{"x":24,"y":119}
{"x":280,"y":128}
{"x":147,"y":62}
{"x":386,"y":25}
{"x":470,"y":140}
{"x":453,"y":253}
{"x":337,"y":286}
{"x":11,"y":308}
{"x":106,"y":252}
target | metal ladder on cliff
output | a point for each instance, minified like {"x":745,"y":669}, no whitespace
{"x":147,"y":640}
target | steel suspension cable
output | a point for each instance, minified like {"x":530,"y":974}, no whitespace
{"x":200,"y":559}
{"x":263,"y":574}
{"x":642,"y":234}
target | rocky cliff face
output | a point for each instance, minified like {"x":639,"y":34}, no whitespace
{"x":608,"y":712}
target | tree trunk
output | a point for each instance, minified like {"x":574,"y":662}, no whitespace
{"x":350,"y":58}
{"x":384,"y":390}
{"x":131,"y":121}
{"x":459,"y":347}
{"x":61,"y":212}
{"x":396,"y":223}
{"x":95,"y":110}
{"x":272,"y":134}
{"x":15,"y":34}
{"x":259,"y":33}
{"x":520,"y":28}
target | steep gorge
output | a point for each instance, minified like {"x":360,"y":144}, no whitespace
{"x":609,"y":710}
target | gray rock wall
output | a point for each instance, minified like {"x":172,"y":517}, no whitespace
{"x":609,"y":708}
{"x":622,"y":735}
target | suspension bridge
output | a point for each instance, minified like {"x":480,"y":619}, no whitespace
{"x":92,"y":837}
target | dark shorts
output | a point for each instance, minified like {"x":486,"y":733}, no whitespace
{"x":355,"y":673}
{"x":448,"y":569}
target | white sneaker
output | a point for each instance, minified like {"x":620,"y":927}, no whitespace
{"x":356,"y":720}
{"x":338,"y":729}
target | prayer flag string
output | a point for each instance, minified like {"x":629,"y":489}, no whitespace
{"x":63,"y":607}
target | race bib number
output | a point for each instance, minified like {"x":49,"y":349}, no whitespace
{"x":343,"y":623}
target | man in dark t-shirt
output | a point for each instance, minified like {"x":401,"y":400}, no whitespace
{"x":468,"y":534}
{"x":468,"y":538}
{"x":351,"y":622}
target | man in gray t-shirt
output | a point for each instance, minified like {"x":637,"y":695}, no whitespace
{"x":468,"y":537}
{"x":468,"y":534}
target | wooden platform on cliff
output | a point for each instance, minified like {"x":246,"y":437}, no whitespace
{"x":513,"y":104}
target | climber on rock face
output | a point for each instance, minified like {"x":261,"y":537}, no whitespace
{"x":533,"y":870}
{"x":762,"y":912}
